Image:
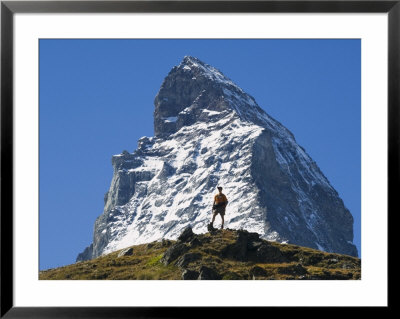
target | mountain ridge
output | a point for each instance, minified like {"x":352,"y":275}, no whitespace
{"x":216,"y":255}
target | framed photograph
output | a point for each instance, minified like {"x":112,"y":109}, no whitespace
{"x":253,"y":146}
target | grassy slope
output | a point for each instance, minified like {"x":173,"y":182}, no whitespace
{"x":146,"y":263}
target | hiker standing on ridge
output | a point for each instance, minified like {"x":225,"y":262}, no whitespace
{"x":219,"y":205}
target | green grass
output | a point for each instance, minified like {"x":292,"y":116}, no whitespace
{"x":145,"y":264}
{"x":154,"y":260}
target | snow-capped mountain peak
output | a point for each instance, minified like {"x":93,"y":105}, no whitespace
{"x":199,"y":68}
{"x":208,"y":132}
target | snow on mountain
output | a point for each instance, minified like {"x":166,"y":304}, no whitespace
{"x":209,"y":132}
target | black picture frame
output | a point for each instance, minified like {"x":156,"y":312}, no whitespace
{"x":9,"y":8}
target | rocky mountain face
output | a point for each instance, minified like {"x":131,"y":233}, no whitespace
{"x":209,"y":132}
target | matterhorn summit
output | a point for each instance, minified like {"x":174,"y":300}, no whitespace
{"x":208,"y":132}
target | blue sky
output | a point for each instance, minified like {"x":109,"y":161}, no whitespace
{"x":96,"y":100}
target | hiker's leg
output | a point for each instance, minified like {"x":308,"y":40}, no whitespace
{"x":213,"y":218}
{"x":222,"y":217}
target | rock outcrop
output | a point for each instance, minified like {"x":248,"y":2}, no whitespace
{"x":218,"y":255}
